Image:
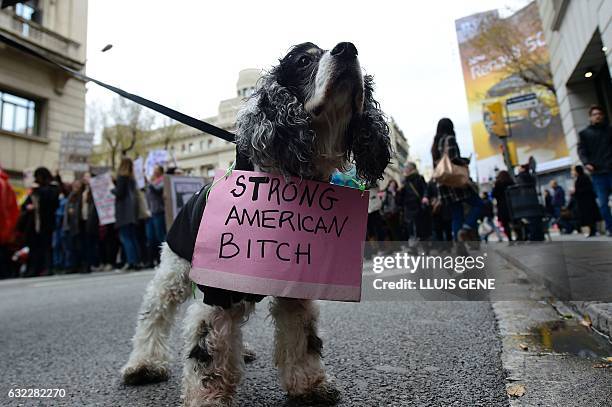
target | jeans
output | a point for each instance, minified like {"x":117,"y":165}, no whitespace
{"x":471,"y":220}
{"x":127,"y":235}
{"x":156,"y":229}
{"x":602,"y":184}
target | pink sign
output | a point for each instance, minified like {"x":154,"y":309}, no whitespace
{"x":299,"y":239}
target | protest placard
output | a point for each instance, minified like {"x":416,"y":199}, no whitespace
{"x":75,"y":150}
{"x":155,"y":157}
{"x":177,"y":191}
{"x":139,"y":172}
{"x":301,"y":239}
{"x":101,"y":190}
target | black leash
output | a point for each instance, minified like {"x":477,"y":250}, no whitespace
{"x":166,"y":111}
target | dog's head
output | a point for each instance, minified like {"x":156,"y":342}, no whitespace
{"x":315,"y":112}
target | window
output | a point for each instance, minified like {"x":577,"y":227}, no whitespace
{"x":182,"y":148}
{"x":29,"y":11}
{"x":18,"y":114}
{"x":190,"y":148}
{"x":201,"y":145}
{"x":209,"y":142}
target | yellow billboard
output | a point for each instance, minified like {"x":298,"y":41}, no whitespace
{"x":498,"y":71}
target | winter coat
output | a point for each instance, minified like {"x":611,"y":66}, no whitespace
{"x":499,"y":193}
{"x":585,"y":201}
{"x":126,"y":202}
{"x":41,"y":220}
{"x":412,"y":192}
{"x":9,"y":211}
{"x":558,"y":197}
{"x":595,"y":147}
{"x":155,"y":196}
{"x":72,"y":214}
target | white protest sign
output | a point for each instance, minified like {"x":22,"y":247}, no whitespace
{"x":104,"y":199}
{"x":139,"y":172}
{"x":155,"y":157}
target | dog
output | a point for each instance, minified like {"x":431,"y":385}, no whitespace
{"x":311,"y":114}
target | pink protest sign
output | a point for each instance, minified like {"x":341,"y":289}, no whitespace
{"x":300,"y":239}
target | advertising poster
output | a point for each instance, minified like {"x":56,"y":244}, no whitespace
{"x":531,"y":110}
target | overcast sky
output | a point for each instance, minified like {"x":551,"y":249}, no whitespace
{"x":187,"y":53}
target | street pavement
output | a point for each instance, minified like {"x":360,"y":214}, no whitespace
{"x":73,"y":333}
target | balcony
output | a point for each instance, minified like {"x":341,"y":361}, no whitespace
{"x":66,"y":49}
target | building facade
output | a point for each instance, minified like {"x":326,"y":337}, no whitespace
{"x":579,"y":36}
{"x":39,"y":102}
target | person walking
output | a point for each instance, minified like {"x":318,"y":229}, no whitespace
{"x":595,"y":152}
{"x":390,"y":211}
{"x":487,"y":218}
{"x":38,"y":212}
{"x":502,"y":181}
{"x":558,"y":198}
{"x":126,"y":212}
{"x":586,"y":200}
{"x":413,"y":202}
{"x":465,"y":227}
{"x":156,"y":224}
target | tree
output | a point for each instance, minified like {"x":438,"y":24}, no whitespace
{"x":517,"y":46}
{"x":123,"y":127}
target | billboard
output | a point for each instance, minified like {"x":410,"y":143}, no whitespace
{"x":490,"y":76}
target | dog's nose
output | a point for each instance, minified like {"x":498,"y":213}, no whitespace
{"x":345,"y":50}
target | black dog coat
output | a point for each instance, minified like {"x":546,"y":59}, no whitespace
{"x":182,"y":236}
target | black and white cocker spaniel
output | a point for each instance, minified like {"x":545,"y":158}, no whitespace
{"x":311,"y":114}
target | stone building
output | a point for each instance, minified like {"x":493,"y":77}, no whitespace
{"x":579,"y":37}
{"x":39,"y":102}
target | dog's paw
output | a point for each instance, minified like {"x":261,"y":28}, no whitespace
{"x":324,"y":394}
{"x":144,"y":374}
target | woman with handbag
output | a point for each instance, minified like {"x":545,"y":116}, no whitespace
{"x":126,"y":212}
{"x":454,"y":185}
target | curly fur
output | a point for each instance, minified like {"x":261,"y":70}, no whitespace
{"x":216,"y":333}
{"x":150,"y":357}
{"x":369,"y":137}
{"x":276,"y":133}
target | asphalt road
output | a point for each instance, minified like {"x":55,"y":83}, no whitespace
{"x":74,"y":332}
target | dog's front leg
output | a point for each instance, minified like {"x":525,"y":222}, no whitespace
{"x":213,"y":350}
{"x":298,"y":351}
{"x":149,"y":360}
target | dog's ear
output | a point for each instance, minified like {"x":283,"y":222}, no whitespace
{"x":369,"y":137}
{"x":273,"y":130}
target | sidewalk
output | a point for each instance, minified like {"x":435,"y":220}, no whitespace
{"x":573,"y":268}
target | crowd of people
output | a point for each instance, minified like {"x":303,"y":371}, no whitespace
{"x":57,"y":229}
{"x":431,"y":211}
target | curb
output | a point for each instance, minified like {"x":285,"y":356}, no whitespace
{"x":600,"y":313}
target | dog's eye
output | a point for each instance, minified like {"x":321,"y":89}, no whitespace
{"x":303,"y":61}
